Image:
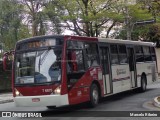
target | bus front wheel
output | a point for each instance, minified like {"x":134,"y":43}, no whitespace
{"x":94,"y":95}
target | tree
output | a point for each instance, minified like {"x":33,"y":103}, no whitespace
{"x":143,"y":30}
{"x":87,"y":17}
{"x":153,"y":7}
{"x":154,"y":34}
{"x":54,"y":11}
{"x":134,"y":14}
{"x":10,"y":22}
{"x":33,"y":9}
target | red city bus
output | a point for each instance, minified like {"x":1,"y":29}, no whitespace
{"x":61,"y":70}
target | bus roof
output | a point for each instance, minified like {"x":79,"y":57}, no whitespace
{"x":85,"y":38}
{"x":108,"y":40}
{"x":105,"y":40}
{"x":37,"y":37}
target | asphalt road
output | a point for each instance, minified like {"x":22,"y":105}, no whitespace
{"x":115,"y":105}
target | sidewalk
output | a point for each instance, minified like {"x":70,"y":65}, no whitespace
{"x":6,"y":97}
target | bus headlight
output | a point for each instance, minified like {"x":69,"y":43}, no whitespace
{"x":57,"y":90}
{"x":17,"y":93}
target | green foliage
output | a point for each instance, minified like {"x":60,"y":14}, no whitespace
{"x":151,"y":32}
{"x":54,"y":12}
{"x":10,"y":23}
{"x":138,"y":32}
{"x":134,"y":14}
{"x":122,"y":35}
{"x":138,"y":14}
{"x":154,"y":32}
{"x":84,"y":17}
{"x":23,"y":32}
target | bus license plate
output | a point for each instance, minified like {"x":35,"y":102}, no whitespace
{"x":35,"y":99}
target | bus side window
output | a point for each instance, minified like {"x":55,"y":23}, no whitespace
{"x":72,"y":63}
{"x":139,"y":54}
{"x":147,"y":54}
{"x":91,"y":54}
{"x":153,"y":54}
{"x":122,"y":54}
{"x":75,"y":61}
{"x":114,"y":54}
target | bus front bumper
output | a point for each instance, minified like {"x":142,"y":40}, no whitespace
{"x":45,"y":100}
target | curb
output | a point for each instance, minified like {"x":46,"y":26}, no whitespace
{"x":150,"y":106}
{"x":157,"y":101}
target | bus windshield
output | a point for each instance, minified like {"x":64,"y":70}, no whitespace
{"x":38,"y":66}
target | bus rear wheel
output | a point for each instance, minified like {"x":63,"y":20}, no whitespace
{"x":143,"y":84}
{"x":94,"y":95}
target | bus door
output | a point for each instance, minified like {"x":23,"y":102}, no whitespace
{"x":132,"y":66}
{"x":105,"y":62}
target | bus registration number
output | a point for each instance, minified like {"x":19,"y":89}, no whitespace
{"x":47,"y":90}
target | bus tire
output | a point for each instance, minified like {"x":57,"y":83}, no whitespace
{"x":143,"y":84}
{"x":94,"y":95}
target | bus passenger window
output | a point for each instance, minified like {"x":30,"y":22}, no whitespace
{"x":69,"y":61}
{"x":75,"y":62}
{"x":153,"y":54}
{"x":114,"y":54}
{"x":122,"y":54}
{"x":91,"y":54}
{"x":147,"y":54}
{"x":139,"y":54}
